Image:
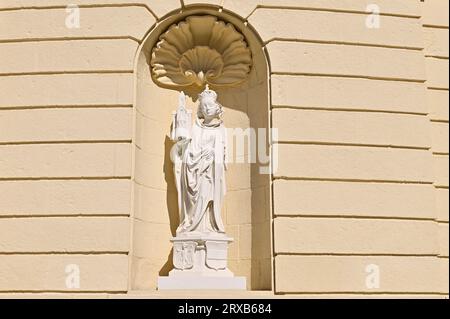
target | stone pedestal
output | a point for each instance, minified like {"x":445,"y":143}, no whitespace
{"x":200,"y":262}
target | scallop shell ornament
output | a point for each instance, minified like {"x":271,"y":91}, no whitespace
{"x":198,"y":51}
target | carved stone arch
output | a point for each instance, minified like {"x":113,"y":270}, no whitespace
{"x":247,"y":211}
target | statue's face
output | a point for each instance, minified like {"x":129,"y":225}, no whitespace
{"x":210,"y":109}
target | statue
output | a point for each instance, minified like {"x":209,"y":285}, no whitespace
{"x":200,"y":164}
{"x":199,"y":155}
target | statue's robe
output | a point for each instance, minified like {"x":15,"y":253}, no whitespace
{"x":201,"y":179}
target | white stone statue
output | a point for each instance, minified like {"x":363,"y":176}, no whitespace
{"x":200,"y":165}
{"x":199,"y":156}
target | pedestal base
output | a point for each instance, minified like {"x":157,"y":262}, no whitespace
{"x":207,"y":283}
{"x":200,"y":262}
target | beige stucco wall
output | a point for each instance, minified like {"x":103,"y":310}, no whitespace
{"x":435,"y":24}
{"x":363,"y":152}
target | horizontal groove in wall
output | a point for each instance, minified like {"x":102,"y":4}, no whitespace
{"x":352,"y":144}
{"x":61,"y":215}
{"x":434,"y":26}
{"x":65,"y":253}
{"x":343,"y":43}
{"x":66,"y":142}
{"x":68,"y":178}
{"x":439,"y":121}
{"x":437,"y":88}
{"x":362,"y":293}
{"x":436,"y":57}
{"x":19,"y":40}
{"x":153,"y":222}
{"x":345,"y":110}
{"x":439,"y":57}
{"x":348,"y":76}
{"x":441,"y":153}
{"x":37,"y":292}
{"x":355,"y":255}
{"x":98,"y":5}
{"x":150,"y":187}
{"x":350,"y":180}
{"x":67,"y":72}
{"x":362,"y":12}
{"x":13,"y":108}
{"x":337,"y":216}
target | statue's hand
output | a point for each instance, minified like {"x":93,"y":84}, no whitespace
{"x":182,"y":126}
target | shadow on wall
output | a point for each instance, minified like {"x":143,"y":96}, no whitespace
{"x":172,"y":207}
{"x":246,"y":211}
{"x":169,"y":176}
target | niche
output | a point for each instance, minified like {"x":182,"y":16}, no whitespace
{"x":247,"y":207}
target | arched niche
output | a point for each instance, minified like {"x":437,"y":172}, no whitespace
{"x":247,"y":208}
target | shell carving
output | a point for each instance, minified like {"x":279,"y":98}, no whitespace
{"x":198,"y":51}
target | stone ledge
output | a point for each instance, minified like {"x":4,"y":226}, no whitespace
{"x":202,"y":282}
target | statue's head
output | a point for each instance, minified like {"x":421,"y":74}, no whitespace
{"x":209,"y":108}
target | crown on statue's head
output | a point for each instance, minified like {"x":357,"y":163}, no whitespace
{"x":208,"y":94}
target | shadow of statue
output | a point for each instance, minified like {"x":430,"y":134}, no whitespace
{"x":168,"y":265}
{"x":171,"y":201}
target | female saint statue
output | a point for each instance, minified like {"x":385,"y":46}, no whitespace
{"x":200,"y":164}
